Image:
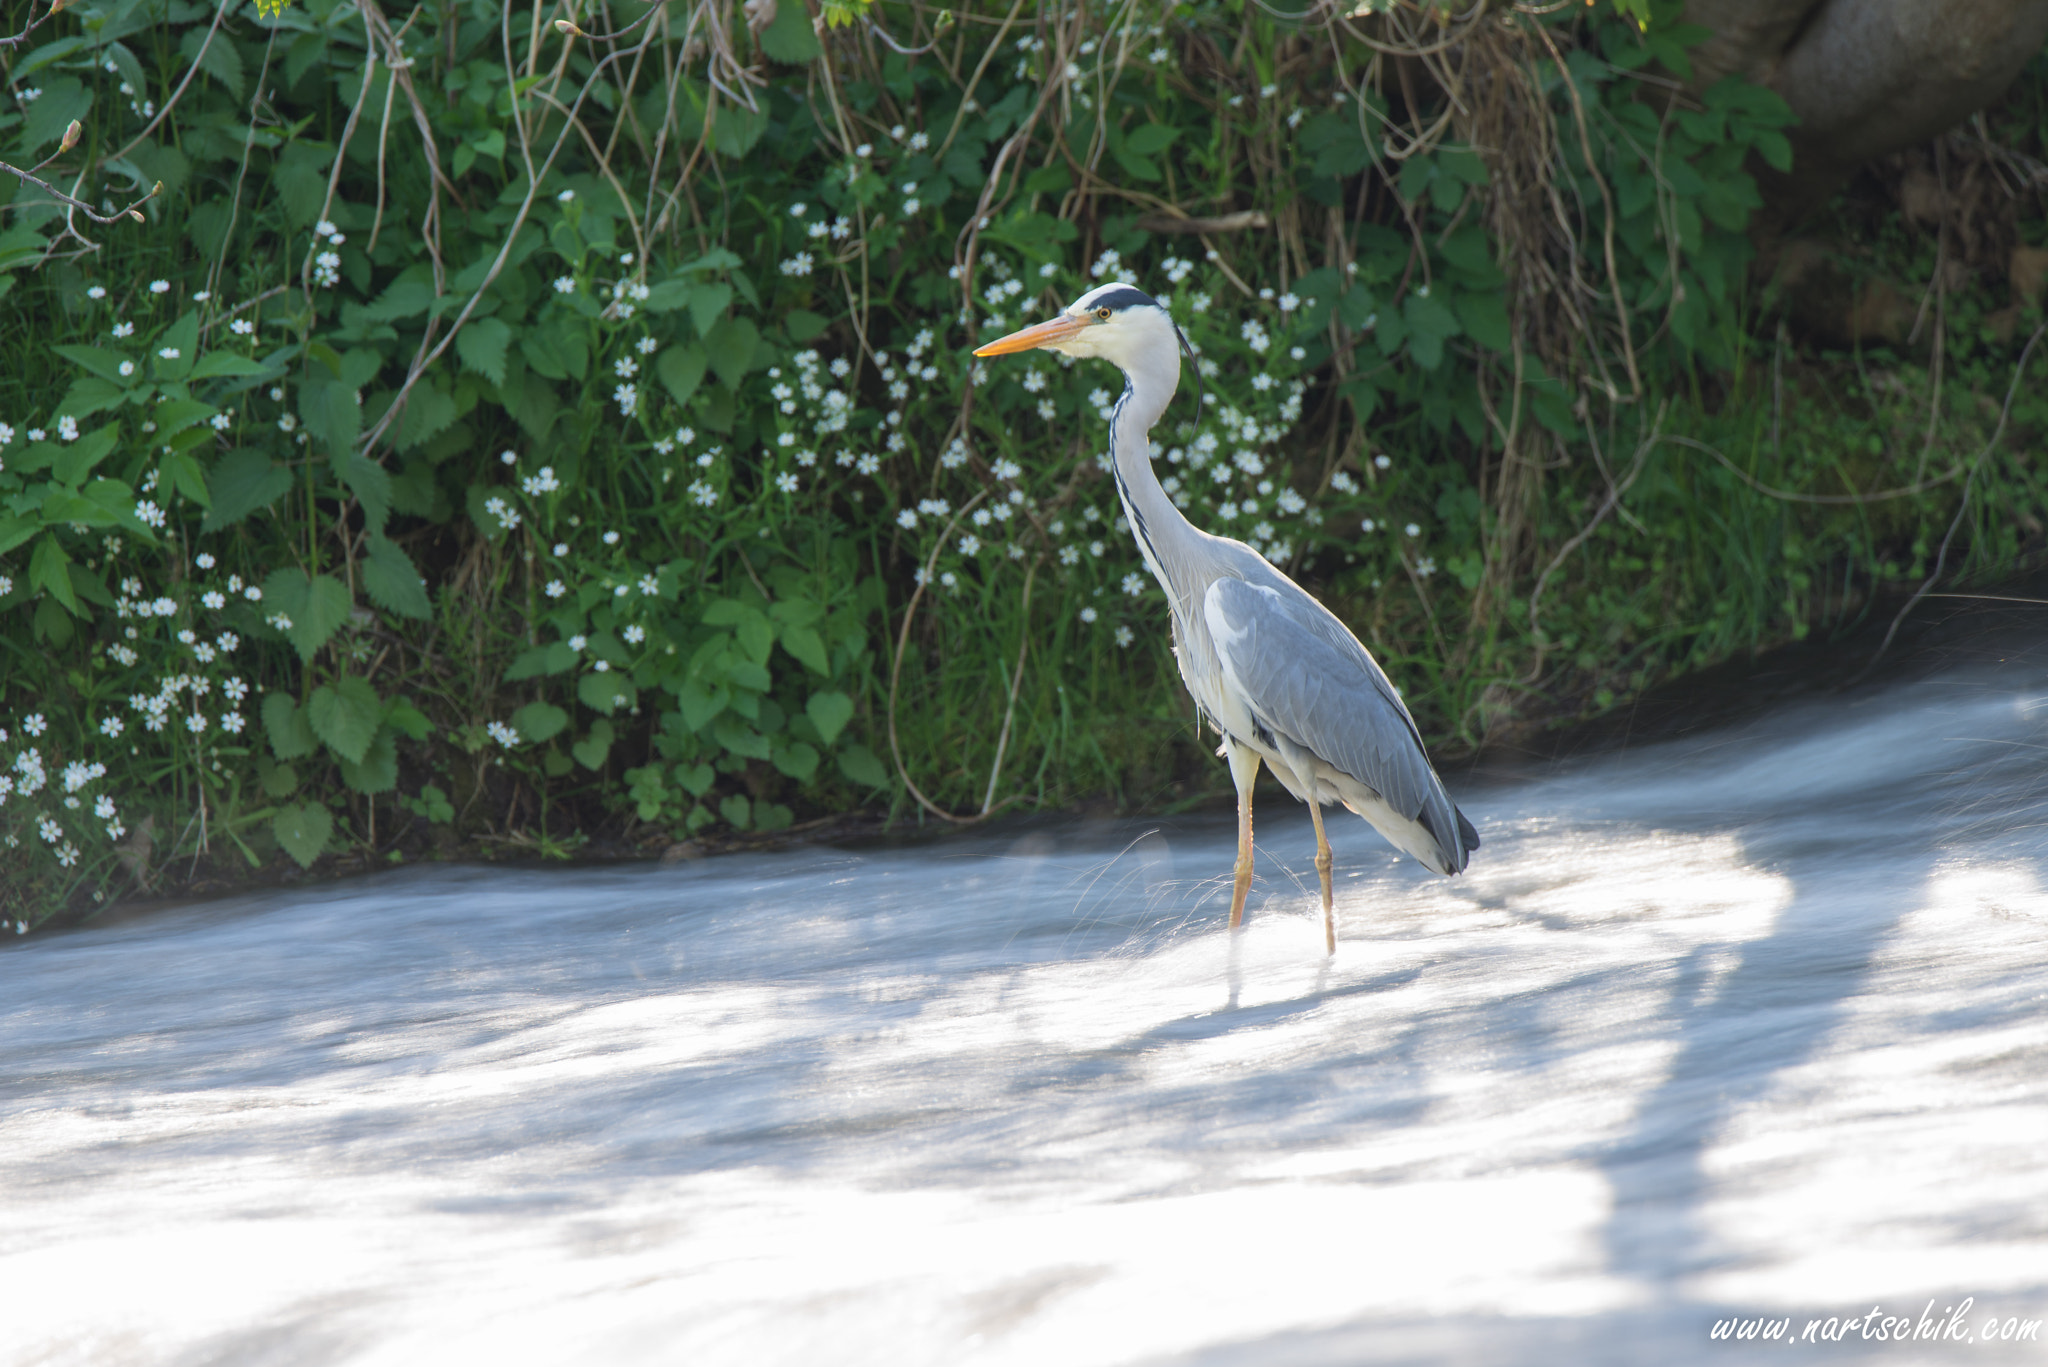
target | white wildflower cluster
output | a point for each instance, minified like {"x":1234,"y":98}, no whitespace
{"x":542,"y":483}
{"x":327,"y":263}
{"x":1110,"y":265}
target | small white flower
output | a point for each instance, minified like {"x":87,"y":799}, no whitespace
{"x":634,"y":634}
{"x":1088,"y":614}
{"x":159,"y":287}
{"x":241,"y":327}
{"x":601,"y":666}
{"x":625,"y":367}
{"x":646,"y":346}
{"x":124,"y":329}
{"x":1412,"y":529}
{"x":232,"y":723}
{"x":96,"y":292}
{"x":497,"y":730}
{"x":169,"y":353}
{"x":649,"y":586}
{"x":556,"y":588}
{"x":564,"y":285}
{"x":149,"y":513}
{"x":798,"y":265}
{"x":786,"y":482}
{"x":565,"y":196}
{"x":577,"y":643}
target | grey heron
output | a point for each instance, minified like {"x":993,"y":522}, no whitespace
{"x":1270,"y":668}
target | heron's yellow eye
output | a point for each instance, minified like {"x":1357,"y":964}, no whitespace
{"x":1103,"y":314}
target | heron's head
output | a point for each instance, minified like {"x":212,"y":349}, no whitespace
{"x":1117,"y":323}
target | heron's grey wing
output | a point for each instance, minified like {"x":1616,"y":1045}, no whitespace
{"x":1304,"y":676}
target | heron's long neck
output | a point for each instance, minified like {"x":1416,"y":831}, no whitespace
{"x":1161,"y":531}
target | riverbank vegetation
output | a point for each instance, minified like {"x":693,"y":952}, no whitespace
{"x":494,"y":428}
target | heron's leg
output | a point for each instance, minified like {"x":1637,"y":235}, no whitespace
{"x":1244,"y":771}
{"x":1323,"y":862}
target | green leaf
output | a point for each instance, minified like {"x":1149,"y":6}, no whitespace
{"x":181,"y":339}
{"x":1150,"y":139}
{"x":316,"y":608}
{"x":698,"y":778}
{"x":805,"y":644}
{"x":392,"y":582}
{"x":790,"y":37}
{"x":242,"y":482}
{"x":428,"y":413}
{"x":737,"y":810}
{"x":604,"y":691}
{"x":284,"y":721}
{"x":369,"y":482}
{"x":303,"y":831}
{"x":378,"y":770}
{"x":736,"y":736}
{"x":182,"y":472}
{"x":346,"y":715}
{"x":402,"y":717}
{"x":799,"y":761}
{"x":1485,"y":317}
{"x":90,"y":394}
{"x":557,"y":350}
{"x":48,"y":570}
{"x":80,"y":456}
{"x":539,"y":721}
{"x":98,"y":360}
{"x":732,"y":346}
{"x":682,"y":369}
{"x":482,"y":344}
{"x":591,"y":750}
{"x":803,"y":325}
{"x":43,"y":122}
{"x":859,"y":764}
{"x":708,"y":302}
{"x":332,"y":413}
{"x":829,"y":711}
{"x":555,"y":658}
{"x":218,"y":363}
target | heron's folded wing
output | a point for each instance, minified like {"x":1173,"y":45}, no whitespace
{"x":1311,"y":680}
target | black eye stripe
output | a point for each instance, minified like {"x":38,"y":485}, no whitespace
{"x":1119,"y":299}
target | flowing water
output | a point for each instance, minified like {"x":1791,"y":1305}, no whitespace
{"x":1746,"y":1026}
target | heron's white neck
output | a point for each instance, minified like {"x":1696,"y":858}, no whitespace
{"x":1158,"y":526}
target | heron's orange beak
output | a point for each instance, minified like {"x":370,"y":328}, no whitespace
{"x":1059,"y":328}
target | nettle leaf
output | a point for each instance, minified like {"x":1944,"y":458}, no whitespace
{"x":98,"y":360}
{"x":553,"y":658}
{"x":428,"y":413}
{"x":346,"y":715}
{"x":708,"y":302}
{"x":604,"y":691}
{"x":303,"y":831}
{"x":806,"y":645}
{"x":482,"y":344}
{"x":731,"y":347}
{"x":80,"y":456}
{"x":370,"y":483}
{"x":859,"y":765}
{"x":332,"y":413}
{"x":378,"y":770}
{"x":242,"y":482}
{"x":790,"y":37}
{"x":217,"y":363}
{"x":392,"y":582}
{"x":799,"y":761}
{"x":591,"y":750}
{"x":682,"y":369}
{"x":47,"y":570}
{"x":315,"y":607}
{"x":829,"y":711}
{"x":539,"y":721}
{"x":284,"y":721}
{"x":43,"y":122}
{"x":557,"y":349}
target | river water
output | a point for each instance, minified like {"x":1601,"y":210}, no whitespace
{"x":1748,"y":1025}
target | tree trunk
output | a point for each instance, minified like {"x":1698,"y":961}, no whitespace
{"x":1866,"y":77}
